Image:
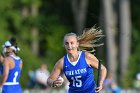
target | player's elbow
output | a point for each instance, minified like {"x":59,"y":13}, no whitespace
{"x":104,"y":69}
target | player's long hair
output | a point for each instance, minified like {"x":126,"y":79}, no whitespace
{"x":90,"y":39}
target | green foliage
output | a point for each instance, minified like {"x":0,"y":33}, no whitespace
{"x":31,"y":2}
{"x":3,"y":36}
{"x":30,"y":62}
{"x":134,"y":65}
{"x":54,"y":39}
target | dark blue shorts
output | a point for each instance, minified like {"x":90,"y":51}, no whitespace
{"x":90,"y":91}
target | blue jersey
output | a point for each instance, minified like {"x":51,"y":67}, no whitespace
{"x":12,"y":83}
{"x":80,"y":75}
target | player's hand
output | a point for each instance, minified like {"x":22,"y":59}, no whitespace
{"x":58,"y":82}
{"x":98,"y":89}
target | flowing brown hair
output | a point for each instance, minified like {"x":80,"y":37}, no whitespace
{"x":90,"y":39}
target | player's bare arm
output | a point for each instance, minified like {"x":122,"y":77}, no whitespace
{"x":53,"y":80}
{"x":6,"y":69}
{"x":93,"y":61}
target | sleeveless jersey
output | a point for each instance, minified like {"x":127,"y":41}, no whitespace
{"x":80,"y":76}
{"x":12,"y":83}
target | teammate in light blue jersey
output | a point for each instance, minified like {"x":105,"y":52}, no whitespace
{"x":77,"y":65}
{"x":12,"y":66}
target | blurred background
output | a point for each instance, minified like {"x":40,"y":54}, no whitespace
{"x":39,"y":26}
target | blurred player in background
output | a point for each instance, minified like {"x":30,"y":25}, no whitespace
{"x":12,"y":65}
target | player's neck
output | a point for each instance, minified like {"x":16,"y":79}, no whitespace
{"x":12,"y":54}
{"x":74,"y":56}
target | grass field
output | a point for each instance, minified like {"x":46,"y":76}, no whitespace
{"x":64,"y":91}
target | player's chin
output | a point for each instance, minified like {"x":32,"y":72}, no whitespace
{"x":69,"y":50}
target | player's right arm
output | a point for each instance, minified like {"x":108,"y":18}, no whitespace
{"x":53,"y":80}
{"x":6,"y":67}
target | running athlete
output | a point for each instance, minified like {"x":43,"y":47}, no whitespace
{"x":12,"y":66}
{"x":78,"y":63}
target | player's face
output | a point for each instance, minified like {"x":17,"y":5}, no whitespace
{"x":71,"y":44}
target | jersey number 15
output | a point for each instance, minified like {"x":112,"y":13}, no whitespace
{"x":76,"y":81}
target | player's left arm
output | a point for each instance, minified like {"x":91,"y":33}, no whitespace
{"x":93,"y":61}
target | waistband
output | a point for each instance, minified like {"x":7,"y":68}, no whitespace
{"x":11,"y":83}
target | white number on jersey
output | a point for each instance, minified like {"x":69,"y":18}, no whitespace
{"x":15,"y":76}
{"x":77,"y":81}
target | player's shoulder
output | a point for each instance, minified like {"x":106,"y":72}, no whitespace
{"x":7,"y":58}
{"x":89,"y":56}
{"x":59,"y":63}
{"x":88,"y":53}
{"x":61,"y":60}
